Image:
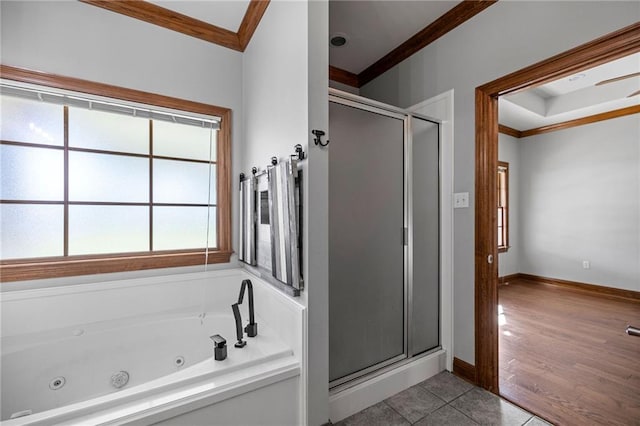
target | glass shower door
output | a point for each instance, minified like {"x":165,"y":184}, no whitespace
{"x":424,"y":242}
{"x":366,"y":240}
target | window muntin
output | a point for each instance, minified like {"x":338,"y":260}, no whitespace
{"x":82,"y":210}
{"x":503,"y":206}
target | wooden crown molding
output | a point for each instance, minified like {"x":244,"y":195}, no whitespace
{"x":506,"y":130}
{"x":634,"y":109}
{"x":343,"y":76}
{"x":612,"y":46}
{"x":250,"y":22}
{"x":459,"y":14}
{"x":184,"y":24}
{"x":447,"y":22}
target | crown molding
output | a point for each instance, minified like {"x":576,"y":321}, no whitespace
{"x":343,"y":76}
{"x":506,"y":130}
{"x":456,"y":16}
{"x":250,"y":22}
{"x":166,"y":18}
{"x":635,"y":109}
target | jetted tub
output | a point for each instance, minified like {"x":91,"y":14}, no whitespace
{"x":138,"y":352}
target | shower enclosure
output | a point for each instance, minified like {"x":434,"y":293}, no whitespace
{"x":384,"y":224}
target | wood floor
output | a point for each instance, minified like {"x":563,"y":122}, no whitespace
{"x":564,"y":354}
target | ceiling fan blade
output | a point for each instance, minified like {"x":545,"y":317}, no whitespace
{"x":633,"y":94}
{"x":611,"y":80}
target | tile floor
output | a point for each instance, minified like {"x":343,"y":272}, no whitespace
{"x":443,"y":400}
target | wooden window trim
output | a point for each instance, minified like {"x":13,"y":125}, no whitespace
{"x":599,"y":51}
{"x":505,"y":247}
{"x":53,"y":267}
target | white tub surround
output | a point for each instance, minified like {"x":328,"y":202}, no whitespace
{"x":157,"y":331}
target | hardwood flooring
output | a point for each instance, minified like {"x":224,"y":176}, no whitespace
{"x":564,"y":354}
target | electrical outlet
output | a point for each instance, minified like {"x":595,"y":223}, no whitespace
{"x":586,"y":264}
{"x":460,"y":200}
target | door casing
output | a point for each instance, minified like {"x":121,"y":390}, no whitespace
{"x":612,"y":46}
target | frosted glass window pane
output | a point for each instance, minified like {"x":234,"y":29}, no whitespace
{"x":108,"y":229}
{"x":108,"y":131}
{"x":182,"y":182}
{"x":31,"y":231}
{"x":183,"y":141}
{"x":25,"y":120}
{"x":28,"y":173}
{"x":105,"y":177}
{"x":176,"y":228}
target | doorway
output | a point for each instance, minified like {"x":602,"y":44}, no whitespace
{"x":605,"y":49}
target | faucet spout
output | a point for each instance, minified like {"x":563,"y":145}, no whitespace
{"x":252,"y":328}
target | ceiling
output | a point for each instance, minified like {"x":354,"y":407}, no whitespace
{"x":226,"y":14}
{"x":573,"y":97}
{"x":374,"y":28}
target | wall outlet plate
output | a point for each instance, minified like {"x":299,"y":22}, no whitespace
{"x":460,"y":200}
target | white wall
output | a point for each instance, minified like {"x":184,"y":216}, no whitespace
{"x":580,"y":200}
{"x":504,"y":38}
{"x":285,"y":74}
{"x":274,"y":84}
{"x":509,"y":151}
{"x":73,"y":39}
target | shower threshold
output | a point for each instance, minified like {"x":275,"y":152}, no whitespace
{"x":354,"y":379}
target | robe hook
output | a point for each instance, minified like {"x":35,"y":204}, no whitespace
{"x":318,"y":138}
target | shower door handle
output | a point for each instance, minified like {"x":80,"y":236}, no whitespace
{"x":633,"y":331}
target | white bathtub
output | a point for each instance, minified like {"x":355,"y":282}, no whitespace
{"x":157,"y":330}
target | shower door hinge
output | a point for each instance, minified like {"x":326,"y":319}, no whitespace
{"x":405,"y":236}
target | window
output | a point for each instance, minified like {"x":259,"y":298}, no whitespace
{"x":503,"y":206}
{"x":93,"y":184}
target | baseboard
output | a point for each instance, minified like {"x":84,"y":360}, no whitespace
{"x":592,"y":288}
{"x":504,"y":280}
{"x":464,"y":370}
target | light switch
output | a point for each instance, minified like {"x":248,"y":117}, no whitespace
{"x":460,"y":200}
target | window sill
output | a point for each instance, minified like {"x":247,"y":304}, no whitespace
{"x":20,"y":270}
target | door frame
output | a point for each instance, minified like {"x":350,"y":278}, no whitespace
{"x":612,"y":46}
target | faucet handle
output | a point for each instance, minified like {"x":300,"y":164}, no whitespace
{"x":236,"y":315}
{"x":219,"y":347}
{"x":251,"y":329}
